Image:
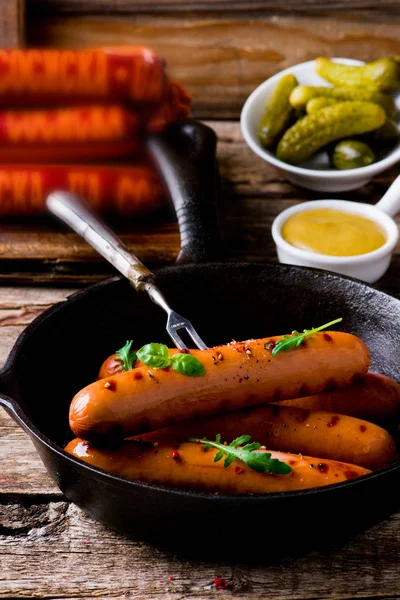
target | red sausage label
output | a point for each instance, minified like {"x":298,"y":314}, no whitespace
{"x":123,"y":190}
{"x":134,"y":73}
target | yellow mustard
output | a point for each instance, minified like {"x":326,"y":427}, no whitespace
{"x":332,"y":232}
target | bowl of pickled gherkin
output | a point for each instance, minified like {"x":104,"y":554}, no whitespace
{"x":327,"y":124}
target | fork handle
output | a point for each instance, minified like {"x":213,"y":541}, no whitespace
{"x":76,"y":213}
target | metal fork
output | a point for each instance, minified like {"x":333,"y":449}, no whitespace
{"x":76,"y":213}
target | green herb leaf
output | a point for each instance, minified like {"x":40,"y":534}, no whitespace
{"x":127,"y":356}
{"x":296,"y":339}
{"x":258,"y":461}
{"x":187,"y":364}
{"x":154,"y":355}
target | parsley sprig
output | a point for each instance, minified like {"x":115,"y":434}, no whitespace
{"x":127,"y":356}
{"x":297,"y":338}
{"x":240,"y":449}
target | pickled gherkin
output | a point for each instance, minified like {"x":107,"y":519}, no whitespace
{"x":319,"y":102}
{"x":327,"y":125}
{"x":381,"y":74}
{"x":303,"y":93}
{"x":278,"y":112}
{"x":351,"y":154}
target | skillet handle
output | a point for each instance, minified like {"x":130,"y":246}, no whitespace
{"x":185,"y":155}
{"x":10,"y":405}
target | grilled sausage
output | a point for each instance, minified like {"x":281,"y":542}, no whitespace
{"x":374,"y":397}
{"x":237,"y":375}
{"x":188,"y":466}
{"x":315,"y":433}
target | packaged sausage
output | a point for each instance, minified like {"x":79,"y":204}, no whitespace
{"x":89,"y":132}
{"x":126,"y":73}
{"x":125,"y":190}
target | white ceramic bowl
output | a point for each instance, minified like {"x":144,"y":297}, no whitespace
{"x":367,"y":267}
{"x":316,"y":173}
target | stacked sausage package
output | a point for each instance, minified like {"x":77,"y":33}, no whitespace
{"x":75,"y":120}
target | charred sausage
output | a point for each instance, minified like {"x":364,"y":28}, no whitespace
{"x":237,"y":375}
{"x":315,"y":433}
{"x":188,"y":466}
{"x":374,"y":397}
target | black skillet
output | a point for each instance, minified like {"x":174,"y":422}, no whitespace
{"x":61,"y":351}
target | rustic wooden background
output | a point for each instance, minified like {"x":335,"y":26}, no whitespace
{"x":220,"y":50}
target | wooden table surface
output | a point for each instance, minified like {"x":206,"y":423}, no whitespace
{"x":220,"y":50}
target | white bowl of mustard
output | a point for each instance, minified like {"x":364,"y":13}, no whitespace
{"x":316,"y":173}
{"x":346,"y":237}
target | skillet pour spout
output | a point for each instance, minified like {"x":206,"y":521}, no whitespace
{"x":92,"y":323}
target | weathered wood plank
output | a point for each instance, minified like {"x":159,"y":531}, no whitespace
{"x":81,"y":559}
{"x":46,"y":240}
{"x":22,"y":472}
{"x":12,"y":22}
{"x":56,"y":7}
{"x":221,"y":60}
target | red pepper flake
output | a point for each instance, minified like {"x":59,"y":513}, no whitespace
{"x":110,"y":385}
{"x":184,"y":351}
{"x":137,"y":376}
{"x":175,"y":455}
{"x":240,"y":380}
{"x":85,"y":543}
{"x":334,"y":421}
{"x":323,"y":468}
{"x":363,"y":428}
{"x":239,"y":470}
{"x":171,"y":578}
{"x":221,"y":583}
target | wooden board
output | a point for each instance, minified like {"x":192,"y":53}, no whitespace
{"x":56,"y":7}
{"x":222,"y":57}
{"x":12,"y":23}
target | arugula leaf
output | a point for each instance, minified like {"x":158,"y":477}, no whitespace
{"x":155,"y":356}
{"x":127,"y":356}
{"x":297,"y":338}
{"x":258,"y":461}
{"x":187,"y":364}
